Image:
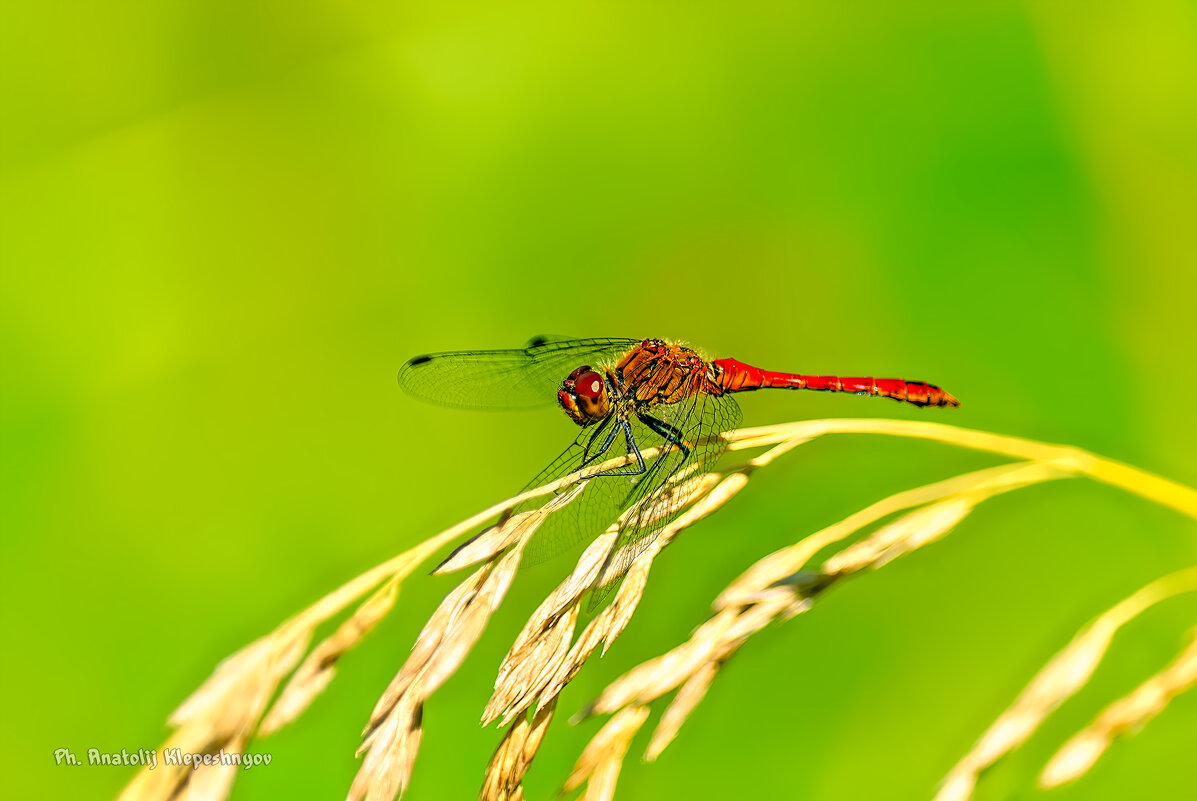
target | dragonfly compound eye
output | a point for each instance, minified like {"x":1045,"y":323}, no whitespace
{"x":589,"y":385}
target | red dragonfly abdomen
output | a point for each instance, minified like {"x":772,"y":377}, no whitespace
{"x":734,"y":376}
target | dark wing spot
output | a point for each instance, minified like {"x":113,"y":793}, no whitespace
{"x":419,"y":360}
{"x":536,"y":342}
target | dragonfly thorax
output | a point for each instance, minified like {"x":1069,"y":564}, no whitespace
{"x":584,"y":397}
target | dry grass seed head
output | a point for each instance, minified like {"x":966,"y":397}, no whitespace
{"x":222,"y":713}
{"x":599,"y":763}
{"x":429,"y":639}
{"x":615,"y":617}
{"x":565,"y":595}
{"x":1058,"y":680}
{"x":1127,"y":714}
{"x":465,"y":631}
{"x":723,"y":634}
{"x":391,"y":751}
{"x":687,"y":697}
{"x":608,"y":625}
{"x":911,"y":531}
{"x":318,"y":669}
{"x":393,"y":734}
{"x":515,"y":530}
{"x":521,"y":685}
{"x":661,"y":674}
{"x":579,"y":652}
{"x":226,"y":708}
{"x":779,"y":565}
{"x":510,"y":762}
{"x":539,"y":639}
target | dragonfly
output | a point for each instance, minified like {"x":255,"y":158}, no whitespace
{"x":629,"y":397}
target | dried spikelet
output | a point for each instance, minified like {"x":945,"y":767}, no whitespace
{"x":753,"y":618}
{"x":521,"y":685}
{"x":518,"y":528}
{"x":627,"y":598}
{"x":393,"y":733}
{"x":318,"y":669}
{"x":675,"y":496}
{"x":215,"y":781}
{"x":221,"y":714}
{"x":514,"y":694}
{"x":450,"y":609}
{"x":656,"y":676}
{"x":564,"y":596}
{"x":242,"y":676}
{"x":688,"y":696}
{"x":541,"y":648}
{"x":1127,"y":714}
{"x":173,"y":781}
{"x":695,"y":680}
{"x":777,"y":566}
{"x":490,"y":542}
{"x":466,"y":630}
{"x":720,"y":494}
{"x":1057,"y":681}
{"x":1066,"y":673}
{"x":911,"y":531}
{"x":957,"y":787}
{"x":579,"y":652}
{"x":391,"y":751}
{"x":512,"y":758}
{"x":599,"y":764}
{"x":608,"y":625}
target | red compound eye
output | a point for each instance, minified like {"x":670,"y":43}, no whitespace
{"x":588,"y":385}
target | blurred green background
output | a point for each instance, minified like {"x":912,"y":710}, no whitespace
{"x":225,"y":225}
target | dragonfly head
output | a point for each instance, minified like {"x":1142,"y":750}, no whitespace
{"x":583,"y":396}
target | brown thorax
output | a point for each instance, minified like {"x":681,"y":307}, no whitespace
{"x":655,"y":372}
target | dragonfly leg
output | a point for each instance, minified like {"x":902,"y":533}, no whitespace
{"x":670,"y":433}
{"x":633,"y":449}
{"x":587,"y":456}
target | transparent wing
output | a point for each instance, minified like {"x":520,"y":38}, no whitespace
{"x":595,"y":509}
{"x":586,"y":517}
{"x":506,"y":379}
{"x":653,"y":501}
{"x":642,"y":504}
{"x":606,"y":498}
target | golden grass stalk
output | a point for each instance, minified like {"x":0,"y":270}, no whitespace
{"x":1075,"y":461}
{"x":233,"y":705}
{"x":1127,"y":714}
{"x":1061,"y":678}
